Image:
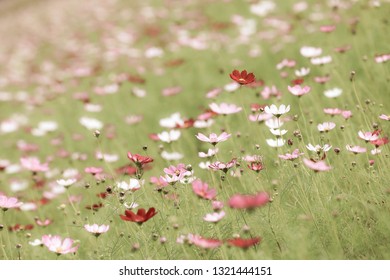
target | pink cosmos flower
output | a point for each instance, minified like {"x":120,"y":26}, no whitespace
{"x":217,"y":205}
{"x":33,"y":164}
{"x":346,"y":114}
{"x":56,"y":245}
{"x":214,"y":217}
{"x":240,"y":201}
{"x":297,"y":90}
{"x":268,"y":92}
{"x":327,"y":28}
{"x":385,"y":117}
{"x":93,"y":170}
{"x":159,"y":182}
{"x":259,"y":117}
{"x":224,"y":108}
{"x":294,"y":155}
{"x":96,"y":229}
{"x":223,"y":166}
{"x":382,"y":58}
{"x":177,"y":173}
{"x":356,"y":149}
{"x":316,"y":166}
{"x":202,"y":242}
{"x":332,"y":111}
{"x":326,"y":126}
{"x":43,"y":223}
{"x":368,"y":136}
{"x":202,"y":190}
{"x":9,"y":202}
{"x":213,"y":138}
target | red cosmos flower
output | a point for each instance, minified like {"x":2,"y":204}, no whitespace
{"x":240,"y":201}
{"x":139,"y":160}
{"x":242,"y":78}
{"x":141,"y":216}
{"x":243,"y":243}
{"x":126,"y":170}
{"x":380,"y":142}
{"x":298,"y":81}
{"x":256,"y":166}
{"x":19,"y":227}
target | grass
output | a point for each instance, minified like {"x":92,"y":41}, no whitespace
{"x":339,"y":214}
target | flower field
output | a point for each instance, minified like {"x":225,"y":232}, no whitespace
{"x":194,"y":129}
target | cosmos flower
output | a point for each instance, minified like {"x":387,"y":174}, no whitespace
{"x":274,"y":123}
{"x":214,"y":139}
{"x":384,"y":117}
{"x":275,"y":143}
{"x":308,"y":51}
{"x":240,"y":201}
{"x":206,"y":243}
{"x":333,"y":93}
{"x":170,"y":136}
{"x":171,"y":156}
{"x":139,"y":160}
{"x":277,"y":112}
{"x":302,"y":72}
{"x":141,"y":216}
{"x":9,"y":202}
{"x":318,"y":149}
{"x":33,"y":164}
{"x":356,"y":149}
{"x":132,"y":186}
{"x":297,"y":90}
{"x":316,"y":166}
{"x":243,"y":243}
{"x":294,"y":155}
{"x":57,"y":245}
{"x":223,"y":166}
{"x":202,"y":190}
{"x":242,"y":78}
{"x":96,"y":230}
{"x":368,"y":136}
{"x":224,"y":108}
{"x":210,"y":153}
{"x":326,"y":126}
{"x":214,"y":217}
{"x":321,"y":60}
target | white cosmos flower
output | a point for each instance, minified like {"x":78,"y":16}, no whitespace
{"x":333,"y":93}
{"x":278,"y":142}
{"x":318,"y":148}
{"x":210,"y":153}
{"x":94,"y":108}
{"x":172,"y":121}
{"x":132,"y":185}
{"x":321,"y":60}
{"x":171,"y":156}
{"x":204,"y":165}
{"x":231,"y":87}
{"x":36,"y":242}
{"x":91,"y":123}
{"x":277,"y":112}
{"x":302,"y":72}
{"x":326,"y":126}
{"x":307,"y":51}
{"x":203,"y":124}
{"x":66,"y":182}
{"x":170,"y":136}
{"x":274,"y":123}
{"x":278,"y":132}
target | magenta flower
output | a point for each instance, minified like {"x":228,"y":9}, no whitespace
{"x":213,"y":138}
{"x":240,"y":201}
{"x":224,"y":108}
{"x":202,"y":190}
{"x":297,"y":90}
{"x":33,"y":164}
{"x":9,"y":202}
{"x":294,"y":155}
{"x":316,"y":166}
{"x":356,"y":149}
{"x":56,"y":245}
{"x":96,"y":229}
